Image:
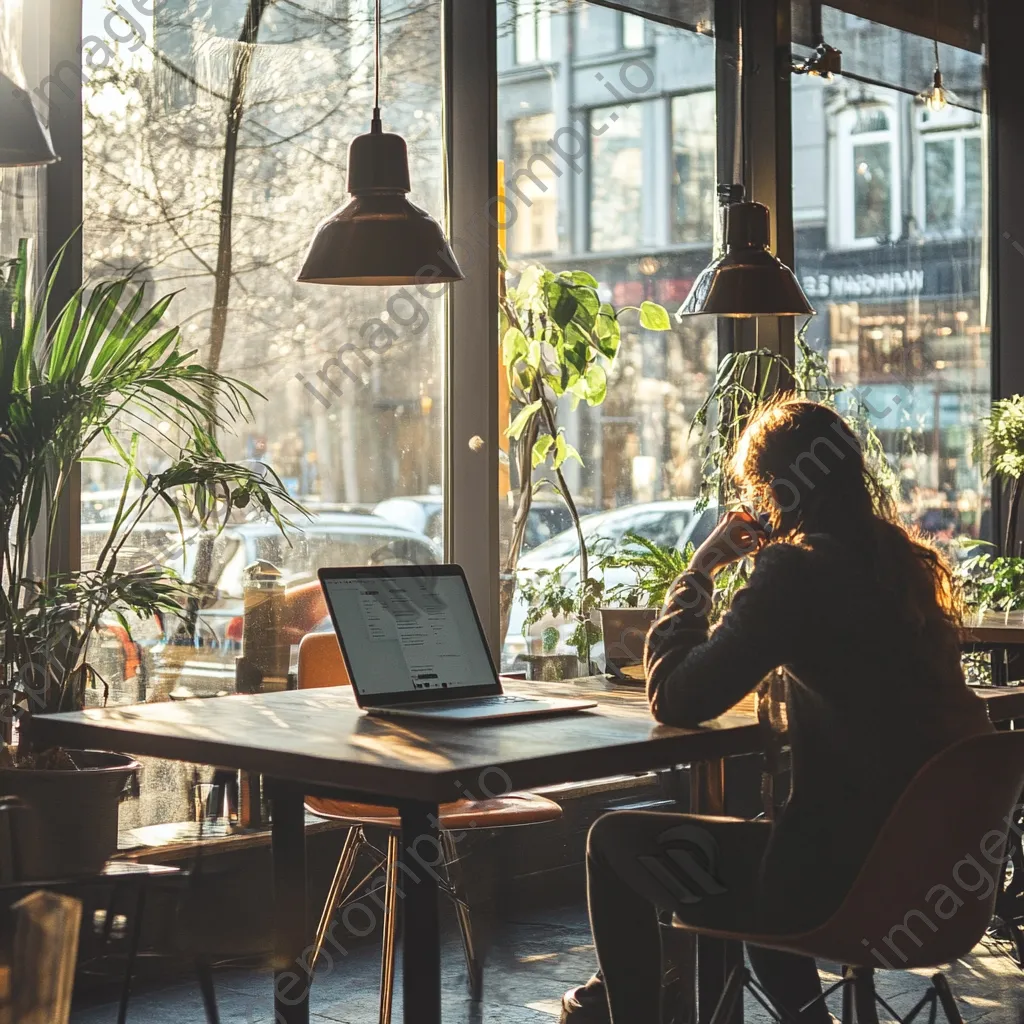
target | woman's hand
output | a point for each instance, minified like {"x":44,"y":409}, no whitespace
{"x":737,"y":535}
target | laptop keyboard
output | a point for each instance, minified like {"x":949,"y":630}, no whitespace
{"x":497,"y":701}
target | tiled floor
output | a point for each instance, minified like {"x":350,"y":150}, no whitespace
{"x":531,"y":960}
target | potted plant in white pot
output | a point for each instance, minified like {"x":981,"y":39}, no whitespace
{"x":106,"y":361}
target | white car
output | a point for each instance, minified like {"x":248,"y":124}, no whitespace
{"x":671,"y":524}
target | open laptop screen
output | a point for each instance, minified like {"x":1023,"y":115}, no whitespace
{"x":414,"y":634}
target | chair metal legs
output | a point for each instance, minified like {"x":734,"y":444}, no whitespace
{"x":860,"y":1000}
{"x":355,"y":843}
{"x":474,"y":970}
{"x":387,"y":959}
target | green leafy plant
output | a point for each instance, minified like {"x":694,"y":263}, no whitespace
{"x":655,"y":569}
{"x":105,"y":362}
{"x":558,"y":341}
{"x":992,"y":581}
{"x":549,"y":593}
{"x":1002,"y":444}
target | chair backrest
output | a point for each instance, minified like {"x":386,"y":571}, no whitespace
{"x":926,"y":891}
{"x":320,"y":662}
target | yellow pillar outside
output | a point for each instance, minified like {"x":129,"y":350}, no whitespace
{"x":503,"y":395}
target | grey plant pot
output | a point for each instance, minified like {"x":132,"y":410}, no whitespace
{"x":70,"y":828}
{"x":625,"y":631}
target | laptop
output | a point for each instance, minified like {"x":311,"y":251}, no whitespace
{"x":413,"y":645}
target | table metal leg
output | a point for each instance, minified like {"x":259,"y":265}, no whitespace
{"x":422,"y":861}
{"x":288,"y":844}
{"x":715,"y":957}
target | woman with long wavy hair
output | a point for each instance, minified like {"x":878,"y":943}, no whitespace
{"x":861,"y":616}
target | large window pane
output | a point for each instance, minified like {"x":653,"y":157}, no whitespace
{"x":218,"y":198}
{"x":891,"y":253}
{"x":637,"y":213}
{"x":616,"y":177}
{"x":693,"y":167}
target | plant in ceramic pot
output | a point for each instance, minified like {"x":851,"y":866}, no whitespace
{"x":105,"y":362}
{"x":558,"y":343}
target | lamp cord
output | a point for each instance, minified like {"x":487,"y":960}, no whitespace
{"x":376,"y":65}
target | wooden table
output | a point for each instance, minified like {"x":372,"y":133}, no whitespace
{"x":318,"y":742}
{"x":997,"y":634}
{"x":993,"y":630}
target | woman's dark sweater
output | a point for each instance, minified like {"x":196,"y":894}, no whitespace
{"x":871,"y":695}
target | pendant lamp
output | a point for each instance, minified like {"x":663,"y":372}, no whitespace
{"x":24,"y":142}
{"x":747,"y":280}
{"x":379,"y":237}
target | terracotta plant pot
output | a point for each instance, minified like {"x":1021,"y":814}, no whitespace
{"x":71,"y":827}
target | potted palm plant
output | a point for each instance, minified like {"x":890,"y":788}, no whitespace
{"x":105,"y":362}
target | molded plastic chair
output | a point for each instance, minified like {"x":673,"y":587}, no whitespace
{"x":321,"y":664}
{"x":918,"y":900}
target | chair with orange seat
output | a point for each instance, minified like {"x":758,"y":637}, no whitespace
{"x":910,"y":905}
{"x":321,"y":664}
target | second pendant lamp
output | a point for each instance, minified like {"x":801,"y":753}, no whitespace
{"x":747,"y":280}
{"x":379,"y":237}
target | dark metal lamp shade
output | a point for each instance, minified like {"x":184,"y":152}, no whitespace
{"x":748,"y":280}
{"x":379,"y":237}
{"x":24,"y":142}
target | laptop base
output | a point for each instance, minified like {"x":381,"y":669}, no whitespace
{"x":486,"y":709}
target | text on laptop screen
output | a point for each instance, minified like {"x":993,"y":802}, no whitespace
{"x":409,"y":633}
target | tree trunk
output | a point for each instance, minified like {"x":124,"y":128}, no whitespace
{"x":225,"y":253}
{"x":236,"y":112}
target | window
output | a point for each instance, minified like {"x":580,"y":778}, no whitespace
{"x":950,"y":192}
{"x":645,"y":183}
{"x":355,"y":374}
{"x":616,"y":177}
{"x":634,"y":32}
{"x":533,"y":186}
{"x":600,"y":30}
{"x":597,"y":30}
{"x":897,"y":280}
{"x":533,"y":31}
{"x":693,"y":167}
{"x":872,"y":174}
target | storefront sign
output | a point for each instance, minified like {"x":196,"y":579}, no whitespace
{"x":864,"y":286}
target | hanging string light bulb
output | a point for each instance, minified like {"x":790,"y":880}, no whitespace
{"x":936,"y":97}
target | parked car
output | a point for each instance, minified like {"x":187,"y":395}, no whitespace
{"x":671,"y":524}
{"x":425,"y":514}
{"x":178,"y":663}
